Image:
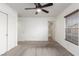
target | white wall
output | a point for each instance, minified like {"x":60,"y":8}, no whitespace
{"x":60,"y":30}
{"x":12,"y":25}
{"x":33,"y":28}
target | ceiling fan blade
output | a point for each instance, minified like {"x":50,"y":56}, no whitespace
{"x":29,"y":8}
{"x":45,"y":11}
{"x":36,"y":5}
{"x":39,"y":4}
{"x":47,"y":5}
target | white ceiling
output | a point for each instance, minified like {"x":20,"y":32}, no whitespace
{"x":54,"y":10}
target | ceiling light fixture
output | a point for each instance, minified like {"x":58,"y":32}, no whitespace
{"x":38,"y":10}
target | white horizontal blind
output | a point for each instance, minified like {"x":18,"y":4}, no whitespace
{"x":72,"y":28}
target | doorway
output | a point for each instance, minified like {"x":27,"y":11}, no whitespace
{"x":50,"y":30}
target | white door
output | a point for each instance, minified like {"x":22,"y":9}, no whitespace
{"x":3,"y":33}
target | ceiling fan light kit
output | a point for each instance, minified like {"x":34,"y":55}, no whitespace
{"x":38,"y":10}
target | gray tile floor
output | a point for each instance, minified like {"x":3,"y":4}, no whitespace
{"x":38,"y":49}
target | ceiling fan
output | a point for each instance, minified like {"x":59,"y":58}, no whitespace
{"x":40,"y":7}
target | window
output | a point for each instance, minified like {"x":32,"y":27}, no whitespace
{"x":72,"y":27}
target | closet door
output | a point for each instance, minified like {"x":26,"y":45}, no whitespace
{"x":3,"y":33}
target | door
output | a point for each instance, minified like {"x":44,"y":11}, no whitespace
{"x":3,"y":33}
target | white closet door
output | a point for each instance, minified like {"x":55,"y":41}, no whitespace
{"x":3,"y":33}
